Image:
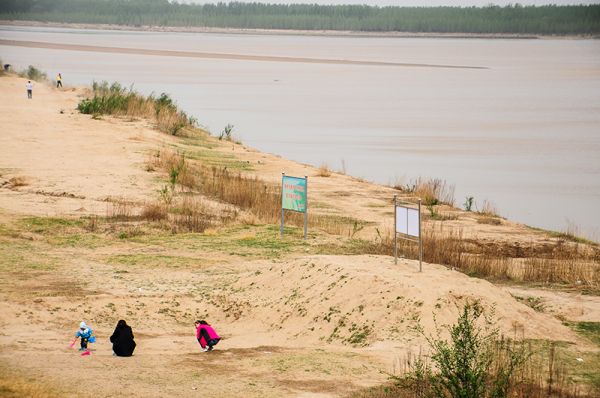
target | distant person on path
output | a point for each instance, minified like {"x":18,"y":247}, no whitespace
{"x":59,"y":81}
{"x":206,"y":335}
{"x":29,"y":87}
{"x":85,"y":334}
{"x":122,"y":340}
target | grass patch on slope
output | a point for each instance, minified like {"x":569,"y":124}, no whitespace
{"x":158,"y":261}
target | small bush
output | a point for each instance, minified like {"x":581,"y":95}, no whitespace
{"x":468,"y":205}
{"x":432,"y":192}
{"x":154,"y":212}
{"x":489,"y":209}
{"x":33,"y":73}
{"x":226,"y":133}
{"x":324,"y":171}
{"x":114,"y":99}
{"x":475,"y":363}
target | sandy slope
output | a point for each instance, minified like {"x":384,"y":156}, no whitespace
{"x":300,"y":326}
{"x":70,"y":164}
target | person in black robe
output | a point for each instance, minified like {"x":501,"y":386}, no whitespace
{"x":122,"y":340}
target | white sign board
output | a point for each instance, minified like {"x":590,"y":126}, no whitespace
{"x":407,"y":221}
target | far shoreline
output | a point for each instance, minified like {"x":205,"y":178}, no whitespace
{"x":293,"y":32}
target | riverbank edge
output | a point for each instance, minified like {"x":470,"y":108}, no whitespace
{"x":293,"y":32}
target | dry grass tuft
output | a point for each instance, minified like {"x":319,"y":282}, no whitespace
{"x":432,"y":192}
{"x":257,"y":199}
{"x":489,"y":209}
{"x":489,"y":220}
{"x":558,"y":262}
{"x":18,"y":181}
{"x":120,"y":209}
{"x":324,"y":171}
{"x":154,"y":212}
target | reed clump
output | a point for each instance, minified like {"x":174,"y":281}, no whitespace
{"x":114,"y":99}
{"x":247,"y":193}
{"x":432,"y":192}
{"x":179,"y":214}
{"x":557,"y":262}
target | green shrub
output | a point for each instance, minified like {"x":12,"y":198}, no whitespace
{"x":33,"y":73}
{"x":114,"y":99}
{"x":468,"y":203}
{"x":475,"y":363}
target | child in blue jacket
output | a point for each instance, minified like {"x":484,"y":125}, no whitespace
{"x":85,"y":333}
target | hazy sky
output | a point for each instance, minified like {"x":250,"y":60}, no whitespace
{"x":464,"y":3}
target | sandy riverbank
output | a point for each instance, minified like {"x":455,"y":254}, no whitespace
{"x":285,"y":307}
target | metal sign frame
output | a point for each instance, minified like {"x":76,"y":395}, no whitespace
{"x":305,"y":207}
{"x":406,"y":236}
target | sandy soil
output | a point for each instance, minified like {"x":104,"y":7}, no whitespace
{"x":294,"y":324}
{"x":68,"y":163}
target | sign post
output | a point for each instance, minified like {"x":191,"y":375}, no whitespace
{"x":294,"y":197}
{"x":407,"y":222}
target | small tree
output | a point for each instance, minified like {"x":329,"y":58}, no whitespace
{"x":475,"y":363}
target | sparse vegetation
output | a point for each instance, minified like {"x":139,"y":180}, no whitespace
{"x":475,"y":363}
{"x":488,"y":209}
{"x":245,"y":193}
{"x":478,"y":362}
{"x":489,"y":220}
{"x":324,"y":171}
{"x":226,"y":133}
{"x":536,"y":303}
{"x":432,"y":192}
{"x":552,"y":263}
{"x":17,"y":181}
{"x":33,"y":73}
{"x":114,"y":99}
{"x":468,"y":205}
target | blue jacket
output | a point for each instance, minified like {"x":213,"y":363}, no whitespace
{"x":85,"y":334}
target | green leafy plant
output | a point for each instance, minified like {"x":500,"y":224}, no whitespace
{"x":33,"y":73}
{"x":476,"y":362}
{"x":468,"y":205}
{"x":226,"y":133}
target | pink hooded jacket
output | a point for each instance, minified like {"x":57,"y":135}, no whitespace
{"x":211,"y":334}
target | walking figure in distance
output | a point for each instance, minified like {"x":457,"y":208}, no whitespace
{"x":29,"y":87}
{"x":59,"y":81}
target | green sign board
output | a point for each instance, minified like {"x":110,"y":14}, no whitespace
{"x":293,"y":194}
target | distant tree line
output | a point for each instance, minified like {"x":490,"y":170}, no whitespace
{"x":550,"y":19}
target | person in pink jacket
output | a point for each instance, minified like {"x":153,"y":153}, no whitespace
{"x":206,"y":335}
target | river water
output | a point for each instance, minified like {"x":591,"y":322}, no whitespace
{"x":514,"y":122}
